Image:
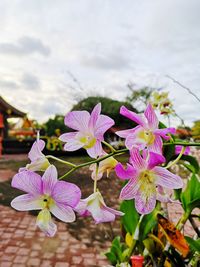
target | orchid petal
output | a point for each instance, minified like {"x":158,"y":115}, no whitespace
{"x":78,"y":120}
{"x":66,"y":193}
{"x":28,"y":181}
{"x":73,"y":145}
{"x":63,"y":212}
{"x":39,"y":165}
{"x":155,"y":159}
{"x":102,"y":125}
{"x":129,"y":191}
{"x":151,"y":117}
{"x":49,"y":179}
{"x":66,"y":137}
{"x":157,"y":145}
{"x":26,"y":202}
{"x":94,"y":115}
{"x":35,"y":152}
{"x":145,"y":201}
{"x":125,"y":174}
{"x":167,"y":179}
{"x":132,"y":116}
{"x":163,"y":132}
{"x":96,"y":150}
{"x":136,"y":159}
{"x":45,"y":223}
{"x":126,"y":133}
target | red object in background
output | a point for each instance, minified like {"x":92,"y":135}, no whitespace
{"x":1,"y":121}
{"x":137,"y":261}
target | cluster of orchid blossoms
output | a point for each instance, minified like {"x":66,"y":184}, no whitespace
{"x":146,"y":177}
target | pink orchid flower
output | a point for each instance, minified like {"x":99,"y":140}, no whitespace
{"x":106,"y":165}
{"x":90,"y":129}
{"x":38,"y":160}
{"x":144,"y":177}
{"x":146,"y":134}
{"x":94,"y":205}
{"x":47,"y":194}
{"x":178,"y":149}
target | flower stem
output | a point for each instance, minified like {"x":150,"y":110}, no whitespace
{"x":108,"y":145}
{"x":60,"y":160}
{"x":177,"y":159}
{"x":183,"y":220}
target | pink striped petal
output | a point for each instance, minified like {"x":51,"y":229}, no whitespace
{"x":26,"y":202}
{"x":125,"y":174}
{"x":167,"y":179}
{"x":66,"y":137}
{"x":28,"y":181}
{"x":163,"y":132}
{"x":102,"y":125}
{"x":151,"y":117}
{"x":63,"y":213}
{"x":49,"y":179}
{"x":157,"y":145}
{"x":136,"y":159}
{"x":66,"y":193}
{"x":129,"y":191}
{"x":35,"y":152}
{"x":126,"y":133}
{"x":78,"y":120}
{"x":45,"y":223}
{"x":94,"y":115}
{"x":132,"y":116}
{"x":96,"y":150}
{"x":146,"y":202}
{"x":155,"y":159}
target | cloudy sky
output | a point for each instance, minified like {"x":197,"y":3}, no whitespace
{"x":104,"y":44}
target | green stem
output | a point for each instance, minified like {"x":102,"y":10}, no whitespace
{"x":116,"y":153}
{"x":182,"y":144}
{"x":183,"y":220}
{"x":177,"y":159}
{"x":60,"y":160}
{"x":109,"y":146}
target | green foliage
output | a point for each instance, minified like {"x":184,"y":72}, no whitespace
{"x":190,"y":198}
{"x":131,"y":217}
{"x":54,"y":125}
{"x":193,"y":165}
{"x":110,"y":108}
{"x":194,"y":244}
{"x":117,"y":252}
{"x":148,"y":223}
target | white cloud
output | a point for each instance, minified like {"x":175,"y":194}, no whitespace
{"x":105,"y":44}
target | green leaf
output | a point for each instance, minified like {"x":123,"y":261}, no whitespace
{"x":131,"y":217}
{"x":194,"y":244}
{"x":192,"y":162}
{"x":190,"y":198}
{"x":111,"y":257}
{"x":168,"y":152}
{"x":148,"y":223}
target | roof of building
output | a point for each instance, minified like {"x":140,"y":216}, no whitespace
{"x":11,"y":111}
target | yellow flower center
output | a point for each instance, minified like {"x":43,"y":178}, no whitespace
{"x":147,"y":136}
{"x":88,"y":140}
{"x":47,"y":202}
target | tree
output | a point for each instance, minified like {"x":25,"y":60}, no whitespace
{"x":110,"y":108}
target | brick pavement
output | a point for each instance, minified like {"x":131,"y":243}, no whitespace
{"x":22,"y":244}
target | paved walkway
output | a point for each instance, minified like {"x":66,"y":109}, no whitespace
{"x":22,"y":245}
